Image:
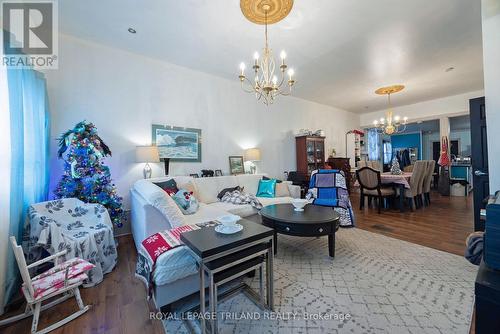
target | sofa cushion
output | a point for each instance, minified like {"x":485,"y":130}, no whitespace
{"x":206,"y":213}
{"x":243,"y":210}
{"x":276,"y":200}
{"x":282,"y":190}
{"x":207,"y":189}
{"x":159,"y":199}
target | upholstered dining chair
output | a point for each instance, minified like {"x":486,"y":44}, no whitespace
{"x":420,"y":188}
{"x":412,"y":194}
{"x":362,"y":163}
{"x":431,"y":164}
{"x":371,"y":186}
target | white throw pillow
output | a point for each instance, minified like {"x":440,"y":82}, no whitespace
{"x":282,"y":190}
{"x":160,"y":200}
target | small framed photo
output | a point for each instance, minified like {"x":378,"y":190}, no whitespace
{"x":236,"y":165}
{"x":218,"y":172}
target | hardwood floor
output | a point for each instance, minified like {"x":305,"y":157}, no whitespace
{"x":443,"y":225}
{"x":119,"y":303}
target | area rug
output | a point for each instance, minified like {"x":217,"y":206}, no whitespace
{"x":375,"y":284}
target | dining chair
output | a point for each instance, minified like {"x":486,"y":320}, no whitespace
{"x":420,"y":189}
{"x":415,"y":182}
{"x":374,"y":164}
{"x":63,"y":279}
{"x":371,"y":186}
{"x":431,"y":164}
{"x":362,"y":163}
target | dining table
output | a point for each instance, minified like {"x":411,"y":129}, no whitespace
{"x":401,"y":181}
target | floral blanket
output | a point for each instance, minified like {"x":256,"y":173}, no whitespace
{"x":239,"y":198}
{"x":83,"y":230}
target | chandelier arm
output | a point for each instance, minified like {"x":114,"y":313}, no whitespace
{"x":245,"y":89}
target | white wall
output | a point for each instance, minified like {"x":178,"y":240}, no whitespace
{"x":433,"y":109}
{"x":124,"y":93}
{"x":491,"y":59}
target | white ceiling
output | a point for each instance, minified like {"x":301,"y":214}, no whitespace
{"x":341,"y":50}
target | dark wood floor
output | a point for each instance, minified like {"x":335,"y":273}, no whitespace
{"x":443,"y":225}
{"x":119,"y":303}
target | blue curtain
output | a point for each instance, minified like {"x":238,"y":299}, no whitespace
{"x":29,"y":125}
{"x":373,"y":145}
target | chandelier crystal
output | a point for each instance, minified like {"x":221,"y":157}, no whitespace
{"x":390,"y":124}
{"x":265,"y":83}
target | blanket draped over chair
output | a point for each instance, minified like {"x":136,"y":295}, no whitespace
{"x":328,"y":187}
{"x":84,"y":230}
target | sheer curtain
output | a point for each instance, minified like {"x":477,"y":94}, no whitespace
{"x":27,"y":168}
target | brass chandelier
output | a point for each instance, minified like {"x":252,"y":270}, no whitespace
{"x":390,"y":124}
{"x":265,"y":83}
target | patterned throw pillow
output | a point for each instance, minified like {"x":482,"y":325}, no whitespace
{"x":186,"y":201}
{"x":267,"y":188}
{"x":169,"y":186}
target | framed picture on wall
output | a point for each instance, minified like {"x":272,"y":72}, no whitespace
{"x":177,"y":143}
{"x":236,"y":165}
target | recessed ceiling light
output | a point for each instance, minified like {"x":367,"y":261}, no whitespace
{"x":449,"y":69}
{"x":131,"y":30}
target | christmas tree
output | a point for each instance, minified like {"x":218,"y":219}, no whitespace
{"x":395,"y":168}
{"x":85,"y":176}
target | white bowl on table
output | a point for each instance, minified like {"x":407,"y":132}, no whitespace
{"x":299,"y":203}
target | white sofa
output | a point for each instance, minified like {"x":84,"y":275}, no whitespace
{"x":152,"y":210}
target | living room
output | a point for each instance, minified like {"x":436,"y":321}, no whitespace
{"x":266,"y":177}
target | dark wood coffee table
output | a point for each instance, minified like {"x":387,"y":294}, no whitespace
{"x":314,"y":221}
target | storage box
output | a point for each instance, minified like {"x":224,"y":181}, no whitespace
{"x":457,"y":190}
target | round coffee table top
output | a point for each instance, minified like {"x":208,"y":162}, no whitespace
{"x":312,"y":214}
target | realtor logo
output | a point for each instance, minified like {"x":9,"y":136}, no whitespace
{"x":29,"y":34}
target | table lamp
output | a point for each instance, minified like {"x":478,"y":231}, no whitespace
{"x":253,"y":155}
{"x":147,"y":154}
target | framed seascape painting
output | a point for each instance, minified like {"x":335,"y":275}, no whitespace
{"x":236,"y":165}
{"x":177,"y":144}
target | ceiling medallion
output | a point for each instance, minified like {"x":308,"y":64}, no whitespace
{"x":390,"y":124}
{"x":265,"y":83}
{"x":257,"y":10}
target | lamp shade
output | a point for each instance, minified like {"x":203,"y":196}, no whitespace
{"x":252,"y":154}
{"x":147,"y":154}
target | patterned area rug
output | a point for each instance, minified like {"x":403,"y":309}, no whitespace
{"x":375,"y":284}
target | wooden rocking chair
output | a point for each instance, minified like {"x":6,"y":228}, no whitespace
{"x":64,"y":278}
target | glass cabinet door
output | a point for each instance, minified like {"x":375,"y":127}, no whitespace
{"x":310,"y":151}
{"x":320,"y":153}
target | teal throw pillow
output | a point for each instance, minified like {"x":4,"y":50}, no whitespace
{"x":186,"y":201}
{"x":267,"y":188}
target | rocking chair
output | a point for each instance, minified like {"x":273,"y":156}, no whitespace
{"x":64,"y":278}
